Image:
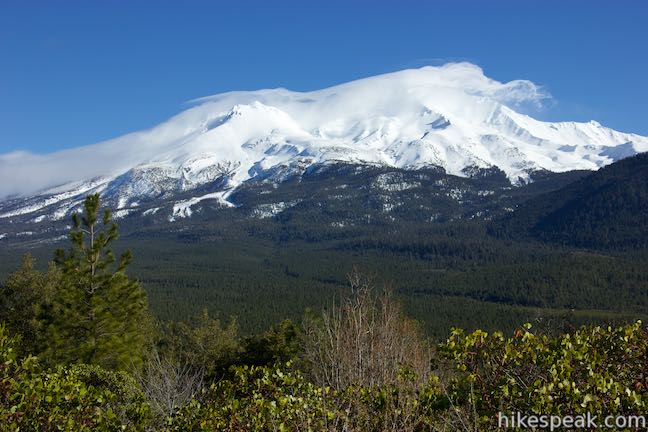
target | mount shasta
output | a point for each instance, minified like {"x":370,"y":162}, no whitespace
{"x":452,"y":119}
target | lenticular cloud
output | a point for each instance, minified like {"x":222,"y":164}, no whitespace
{"x":471,"y":78}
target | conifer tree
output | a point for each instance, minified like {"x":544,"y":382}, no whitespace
{"x":101,"y":311}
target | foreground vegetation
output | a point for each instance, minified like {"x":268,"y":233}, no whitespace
{"x":79,"y":351}
{"x":472,"y":377}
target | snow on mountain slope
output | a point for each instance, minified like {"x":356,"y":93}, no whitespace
{"x":451,"y":116}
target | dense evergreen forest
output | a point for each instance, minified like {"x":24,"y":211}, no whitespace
{"x":446,"y":276}
{"x":490,"y":273}
{"x":603,"y":211}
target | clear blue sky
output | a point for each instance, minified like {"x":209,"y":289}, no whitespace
{"x":78,"y":72}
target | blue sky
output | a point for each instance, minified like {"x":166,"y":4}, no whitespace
{"x":78,"y":72}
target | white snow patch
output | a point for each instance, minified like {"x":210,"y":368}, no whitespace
{"x":76,"y":190}
{"x":55,"y":239}
{"x":60,"y":213}
{"x":151,"y":211}
{"x":64,"y":211}
{"x":263,"y":211}
{"x":456,"y":194}
{"x":393,"y":182}
{"x":182,"y":209}
{"x":119,"y":214}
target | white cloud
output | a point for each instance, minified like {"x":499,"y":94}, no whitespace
{"x":471,"y":78}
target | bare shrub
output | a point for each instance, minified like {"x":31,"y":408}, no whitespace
{"x":376,"y":357}
{"x":168,"y":384}
{"x":365,"y":340}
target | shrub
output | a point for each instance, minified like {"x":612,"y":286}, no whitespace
{"x":260,"y":399}
{"x":79,"y":398}
{"x":366,"y":341}
{"x":278,"y":398}
{"x":603,"y":371}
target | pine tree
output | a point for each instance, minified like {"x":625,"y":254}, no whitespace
{"x":100,"y":310}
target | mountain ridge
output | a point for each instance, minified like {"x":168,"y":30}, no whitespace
{"x":605,"y":210}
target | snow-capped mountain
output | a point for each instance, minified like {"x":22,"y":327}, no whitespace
{"x":452,"y":117}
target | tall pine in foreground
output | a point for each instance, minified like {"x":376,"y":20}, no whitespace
{"x":101,"y":311}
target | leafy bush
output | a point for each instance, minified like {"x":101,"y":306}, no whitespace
{"x":278,"y":398}
{"x":78,"y":398}
{"x":603,"y":371}
{"x":260,"y":399}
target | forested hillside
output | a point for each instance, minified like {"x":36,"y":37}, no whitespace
{"x":605,"y":210}
{"x":261,"y":265}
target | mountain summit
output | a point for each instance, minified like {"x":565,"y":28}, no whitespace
{"x":453,"y":117}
